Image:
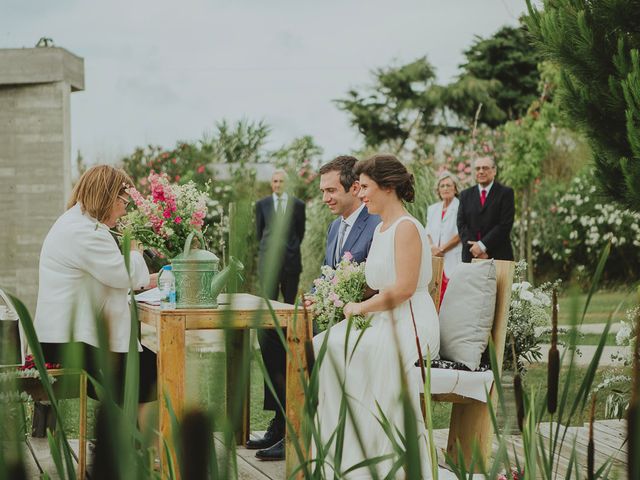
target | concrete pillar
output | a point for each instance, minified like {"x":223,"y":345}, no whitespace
{"x":35,"y":157}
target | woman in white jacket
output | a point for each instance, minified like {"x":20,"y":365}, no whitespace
{"x":84,"y":281}
{"x":442,"y":229}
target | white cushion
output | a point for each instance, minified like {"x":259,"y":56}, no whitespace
{"x":468,"y":384}
{"x":466,"y":313}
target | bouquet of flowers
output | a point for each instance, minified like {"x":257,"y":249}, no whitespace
{"x":165,"y":218}
{"x":334,"y":289}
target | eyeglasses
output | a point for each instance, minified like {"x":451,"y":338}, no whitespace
{"x":482,"y":168}
{"x":125,"y":200}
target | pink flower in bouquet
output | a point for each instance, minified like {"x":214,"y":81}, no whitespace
{"x":197,"y":219}
{"x":136,"y":196}
{"x":156,"y":223}
{"x":177,"y":220}
{"x":167,"y":213}
{"x":201,"y":169}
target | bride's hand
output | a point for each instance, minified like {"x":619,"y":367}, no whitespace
{"x":351,"y":309}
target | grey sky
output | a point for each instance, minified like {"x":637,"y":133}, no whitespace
{"x":158,"y":72}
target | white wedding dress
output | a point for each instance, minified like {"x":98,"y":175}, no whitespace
{"x":371,"y":372}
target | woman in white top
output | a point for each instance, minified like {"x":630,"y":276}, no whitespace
{"x":84,"y":281}
{"x":442,"y":229}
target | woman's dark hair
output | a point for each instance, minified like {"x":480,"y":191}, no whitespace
{"x":344,"y":165}
{"x":388,"y":172}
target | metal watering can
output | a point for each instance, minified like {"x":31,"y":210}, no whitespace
{"x":198,"y":281}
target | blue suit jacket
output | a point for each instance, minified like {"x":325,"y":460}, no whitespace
{"x":357,"y":243}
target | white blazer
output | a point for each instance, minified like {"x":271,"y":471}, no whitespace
{"x":441,"y":230}
{"x":82,"y":278}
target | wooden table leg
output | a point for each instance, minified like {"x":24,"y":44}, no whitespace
{"x":298,"y":333}
{"x":171,"y":375}
{"x":82,"y":435}
{"x":238,"y":382}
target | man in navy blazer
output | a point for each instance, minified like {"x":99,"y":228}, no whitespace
{"x":485,"y":215}
{"x":353,"y":230}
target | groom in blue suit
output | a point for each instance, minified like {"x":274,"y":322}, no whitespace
{"x":353,"y":230}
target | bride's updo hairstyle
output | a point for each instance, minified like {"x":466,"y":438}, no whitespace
{"x":388,"y":172}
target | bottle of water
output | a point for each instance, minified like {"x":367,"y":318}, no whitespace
{"x":167,"y":287}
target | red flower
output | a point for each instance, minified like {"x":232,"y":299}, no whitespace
{"x":177,"y":177}
{"x":201,"y":169}
{"x":178,"y":220}
{"x":166,"y":213}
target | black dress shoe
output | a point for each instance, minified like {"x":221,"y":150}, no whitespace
{"x":274,"y":453}
{"x":274,"y":433}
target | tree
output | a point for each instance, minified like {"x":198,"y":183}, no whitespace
{"x":501,"y":73}
{"x":526,"y":147}
{"x":595,"y":45}
{"x":300,"y":159}
{"x":401,"y":105}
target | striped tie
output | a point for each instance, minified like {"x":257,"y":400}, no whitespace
{"x":343,"y":228}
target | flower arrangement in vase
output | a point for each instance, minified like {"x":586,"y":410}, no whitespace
{"x":164,"y":219}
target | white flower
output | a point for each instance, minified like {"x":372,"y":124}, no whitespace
{"x":526,"y":295}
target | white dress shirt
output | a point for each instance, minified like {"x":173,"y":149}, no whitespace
{"x":283,"y":199}
{"x":350,"y":221}
{"x":83,"y":279}
{"x":442,"y":229}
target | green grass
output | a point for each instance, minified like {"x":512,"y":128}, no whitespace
{"x":603,"y":304}
{"x":584,"y":339}
{"x":536,"y":377}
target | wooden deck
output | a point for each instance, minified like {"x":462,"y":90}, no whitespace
{"x":609,"y":437}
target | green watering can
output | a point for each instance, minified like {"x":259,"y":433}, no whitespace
{"x":198,"y":281}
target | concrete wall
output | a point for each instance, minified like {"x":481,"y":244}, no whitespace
{"x":35,"y":157}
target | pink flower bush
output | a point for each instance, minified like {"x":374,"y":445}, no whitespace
{"x":158,"y":219}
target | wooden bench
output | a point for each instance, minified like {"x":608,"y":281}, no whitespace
{"x":470,"y":423}
{"x":68,"y":383}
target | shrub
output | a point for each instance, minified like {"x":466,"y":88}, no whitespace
{"x":575,"y":223}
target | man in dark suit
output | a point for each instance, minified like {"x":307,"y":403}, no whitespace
{"x":280,"y":222}
{"x":485,"y":216}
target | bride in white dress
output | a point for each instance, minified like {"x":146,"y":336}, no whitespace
{"x":399,"y":267}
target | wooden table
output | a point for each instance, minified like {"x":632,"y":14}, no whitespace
{"x":237,"y":313}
